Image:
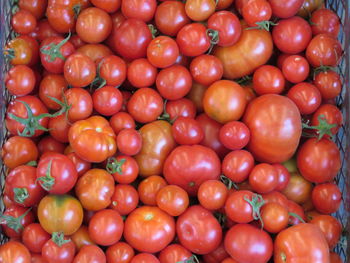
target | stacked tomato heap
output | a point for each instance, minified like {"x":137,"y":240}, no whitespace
{"x":162,"y":131}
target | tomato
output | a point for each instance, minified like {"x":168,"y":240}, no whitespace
{"x":107,"y":100}
{"x":157,"y":143}
{"x":18,"y":150}
{"x":145,"y":105}
{"x":49,"y":144}
{"x":309,"y":6}
{"x":198,"y":230}
{"x":292,"y":35}
{"x":206,"y":69}
{"x":268,"y":80}
{"x":325,"y":21}
{"x":199,"y":10}
{"x":96,"y":52}
{"x":328,"y":83}
{"x":90,"y":254}
{"x":113,"y":70}
{"x":34,"y":46}
{"x":19,"y":51}
{"x":109,"y":6}
{"x":120,"y":121}
{"x":306,"y":96}
{"x":242,"y":240}
{"x":79,"y":70}
{"x":211,"y":130}
{"x":253,"y":49}
{"x":298,"y":189}
{"x":158,"y":229}
{"x":58,"y":128}
{"x":285,"y":9}
{"x":81,"y":237}
{"x":196,"y":96}
{"x":162,"y":52}
{"x":193,"y":40}
{"x":53,"y":53}
{"x":174,"y":253}
{"x":44,"y":30}
{"x":53,"y":211}
{"x":326,"y":198}
{"x":120,"y":252}
{"x":263,"y":178}
{"x":143,"y":10}
{"x":52,"y":85}
{"x":148,"y":189}
{"x":36,"y":7}
{"x":26,"y":116}
{"x":218,"y":255}
{"x":274,"y":217}
{"x":124,"y":199}
{"x":123,"y":168}
{"x":34,"y":237}
{"x":101,"y":138}
{"x":95,"y":189}
{"x":21,"y":186}
{"x":14,"y":219}
{"x":330,"y":227}
{"x":272,"y":139}
{"x":180,"y":108}
{"x":256,"y":11}
{"x":172,"y":199}
{"x":170,"y":17}
{"x":174,"y":82}
{"x":234,"y":135}
{"x":14,"y":251}
{"x":129,"y":141}
{"x":324,"y":50}
{"x":141,"y":73}
{"x":237,"y":165}
{"x":287,"y":248}
{"x":56,"y":173}
{"x":58,"y":249}
{"x":106,"y":227}
{"x":144,"y":258}
{"x":80,"y":102}
{"x":20,"y":80}
{"x":329,"y":113}
{"x":318,"y":160}
{"x":132,"y":38}
{"x":93,"y":25}
{"x":295,"y":68}
{"x":293,"y":207}
{"x":212,"y":194}
{"x":195,"y":164}
{"x":187,"y":131}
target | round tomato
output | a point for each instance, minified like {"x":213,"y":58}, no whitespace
{"x":14,"y":251}
{"x":328,"y":83}
{"x":295,"y":68}
{"x":81,"y":237}
{"x":120,"y":252}
{"x":120,"y":121}
{"x":113,"y":70}
{"x":325,"y":21}
{"x":19,"y":51}
{"x":53,"y":211}
{"x":326,"y":198}
{"x":36,"y":7}
{"x":330,"y":227}
{"x":285,"y":9}
{"x":330,"y":114}
{"x":174,"y":253}
{"x":162,"y":52}
{"x":107,"y":100}
{"x":34,"y":237}
{"x":141,"y":73}
{"x":256,"y":11}
{"x":80,"y":104}
{"x":158,"y":229}
{"x":20,"y":80}
{"x":149,"y":187}
{"x":274,"y":217}
{"x":79,"y":70}
{"x":212,"y":194}
{"x":186,"y":130}
{"x":306,"y":96}
{"x":124,"y":199}
{"x":172,"y":199}
{"x":268,"y":80}
{"x":234,"y":135}
{"x":206,"y":69}
{"x":52,"y":85}
{"x":237,"y":165}
{"x":199,"y":10}
{"x":90,"y":254}
{"x":180,"y":108}
{"x":14,"y":219}
{"x":298,"y":189}
{"x":263,"y":178}
{"x":58,"y":249}
{"x":143,"y":10}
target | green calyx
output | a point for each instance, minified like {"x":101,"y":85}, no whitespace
{"x":323,"y":128}
{"x":14,"y":222}
{"x":47,"y":181}
{"x":228,"y":182}
{"x":165,"y":116}
{"x":52,"y":51}
{"x":115,"y":166}
{"x":192,"y":259}
{"x":264,"y":25}
{"x":214,"y":38}
{"x":20,"y":194}
{"x":58,"y":239}
{"x":297,"y":217}
{"x":256,"y":202}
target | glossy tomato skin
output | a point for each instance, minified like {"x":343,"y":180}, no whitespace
{"x":143,"y":10}
{"x":268,"y":79}
{"x":95,"y":189}
{"x":172,"y":199}
{"x":158,"y":229}
{"x":98,"y":133}
{"x":180,"y":108}
{"x":237,"y":208}
{"x":287,"y":249}
{"x":326,"y":198}
{"x":90,"y":254}
{"x":237,"y":165}
{"x":34,"y":237}
{"x":14,"y":251}
{"x":79,"y":70}
{"x":23,"y":53}
{"x":174,"y":253}
{"x":318,"y":161}
{"x":189,"y":166}
{"x":285,"y":9}
{"x":15,"y":211}
{"x":206,"y":69}
{"x":234,"y":135}
{"x":107,"y":100}
{"x":52,"y":252}
{"x":241,"y":241}
{"x":212,"y":194}
{"x":96,"y":52}
{"x":144,"y":258}
{"x":81,"y":104}
{"x":113,"y":69}
{"x":162,"y":52}
{"x":187,"y":131}
{"x":253,"y":49}
{"x":331,"y":114}
{"x":20,"y":80}
{"x":325,"y":21}
{"x":271,"y":140}
{"x":132,"y":38}
{"x":199,"y":10}
{"x":18,"y":150}
{"x":149,"y":187}
{"x":124,"y":199}
{"x":295,"y":68}
{"x":53,"y":85}
{"x":256,"y":11}
{"x":120,"y":252}
{"x":263,"y":178}
{"x":331,"y":228}
{"x":120,"y":121}
{"x":328,"y":83}
{"x":198,"y":230}
{"x":141,"y":73}
{"x":157,"y":143}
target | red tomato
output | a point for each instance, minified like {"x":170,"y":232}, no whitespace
{"x":129,"y":141}
{"x":206,"y":69}
{"x":174,"y":253}
{"x":328,"y":83}
{"x":14,"y":219}
{"x":81,"y":237}
{"x":187,"y":131}
{"x":195,"y":163}
{"x":285,"y":9}
{"x":14,"y":251}
{"x":180,"y":108}
{"x":198,"y":230}
{"x":158,"y":229}
{"x":326,"y":198}
{"x":141,"y":73}
{"x":295,"y":68}
{"x":144,"y":258}
{"x":124,"y":199}
{"x":275,"y":128}
{"x":306,"y":96}
{"x":330,"y":114}
{"x":107,"y":100}
{"x":237,"y":165}
{"x":58,"y":249}
{"x":20,"y":80}
{"x":212,"y":194}
{"x":44,"y":30}
{"x":330,"y":227}
{"x":143,"y":10}
{"x":52,"y":85}
{"x":174,"y":82}
{"x":34,"y":237}
{"x":172,"y":199}
{"x":199,"y":10}
{"x":109,"y":6}
{"x":106,"y":227}
{"x":90,"y":254}
{"x":113,"y":70}
{"x":318,"y":160}
{"x":263,"y":178}
{"x":162,"y":52}
{"x":120,"y":252}
{"x":256,"y":11}
{"x":120,"y":121}
{"x":79,"y":70}
{"x":36,"y":7}
{"x":96,"y":52}
{"x":59,"y":127}
{"x":268,"y":80}
{"x":287,"y":247}
{"x":241,"y":241}
{"x":123,"y":168}
{"x":275,"y":217}
{"x":234,"y":135}
{"x":149,"y":187}
{"x":283,"y":176}
{"x":325,"y":21}
{"x":22,"y":51}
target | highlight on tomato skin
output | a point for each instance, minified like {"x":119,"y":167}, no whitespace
{"x":145,"y":131}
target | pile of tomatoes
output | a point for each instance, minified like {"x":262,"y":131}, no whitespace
{"x":148,"y":131}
